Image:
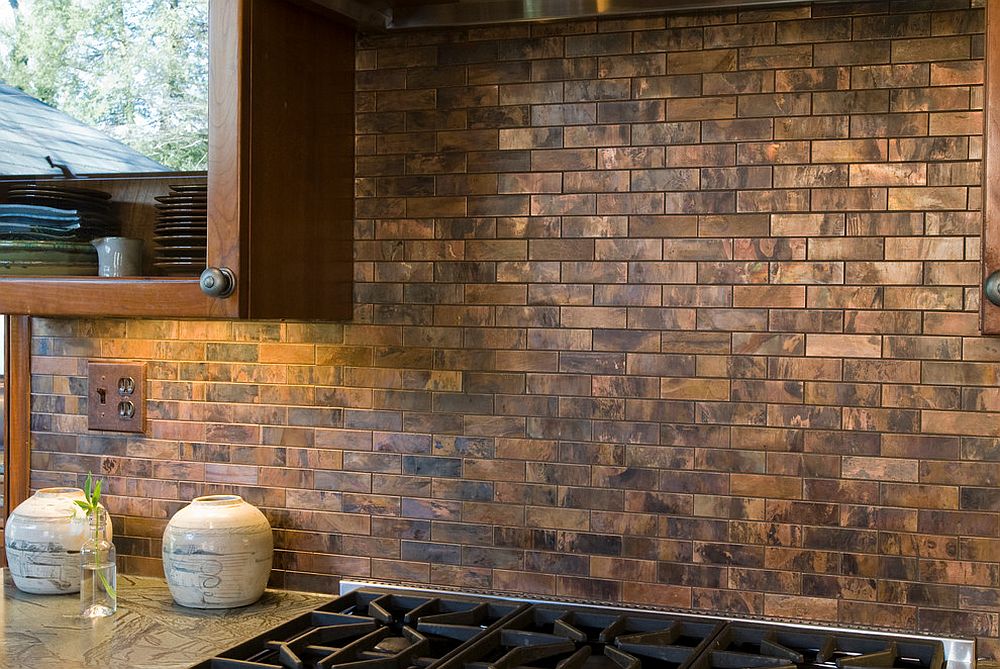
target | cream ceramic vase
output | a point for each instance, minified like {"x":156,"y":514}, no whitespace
{"x":42,"y":537}
{"x":217,"y":553}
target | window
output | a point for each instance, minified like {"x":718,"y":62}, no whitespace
{"x":103,"y":86}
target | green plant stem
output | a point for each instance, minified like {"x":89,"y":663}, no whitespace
{"x":107,"y":586}
{"x":97,"y":557}
{"x":92,"y":493}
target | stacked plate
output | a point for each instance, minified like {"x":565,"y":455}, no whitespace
{"x":181,"y":231}
{"x":34,"y":222}
{"x":47,"y":258}
{"x":91,"y":207}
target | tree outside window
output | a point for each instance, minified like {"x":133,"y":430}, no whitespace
{"x":135,"y":69}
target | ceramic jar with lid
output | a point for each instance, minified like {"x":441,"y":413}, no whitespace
{"x":217,"y":553}
{"x":43,"y":537}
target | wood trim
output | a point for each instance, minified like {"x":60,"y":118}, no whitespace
{"x":228,"y":159}
{"x":17,"y":403}
{"x":990,"y":313}
{"x":96,"y":297}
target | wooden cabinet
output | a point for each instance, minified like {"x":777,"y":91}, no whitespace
{"x":280,"y":181}
{"x":989,"y":303}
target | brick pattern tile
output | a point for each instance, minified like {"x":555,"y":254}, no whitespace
{"x":674,"y":310}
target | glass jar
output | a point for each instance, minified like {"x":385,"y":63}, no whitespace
{"x":99,"y":571}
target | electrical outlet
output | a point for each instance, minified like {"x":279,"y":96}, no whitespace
{"x":116,"y":396}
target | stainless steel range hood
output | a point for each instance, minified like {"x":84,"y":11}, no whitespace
{"x":401,"y":14}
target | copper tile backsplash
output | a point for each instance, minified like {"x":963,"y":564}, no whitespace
{"x":677,"y":311}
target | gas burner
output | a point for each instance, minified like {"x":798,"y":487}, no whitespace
{"x":601,"y":626}
{"x":627,"y":641}
{"x":368,"y":629}
{"x":675,"y":644}
{"x":263,"y":652}
{"x":745,"y":645}
{"x":388,"y":628}
{"x":550,"y":637}
{"x":519,"y":649}
{"x":395,"y":610}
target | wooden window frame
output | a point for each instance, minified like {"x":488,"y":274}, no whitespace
{"x":17,"y":411}
{"x":990,"y":312}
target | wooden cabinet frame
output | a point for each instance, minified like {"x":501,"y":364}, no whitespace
{"x":17,"y":411}
{"x":989,"y":312}
{"x":280,"y":180}
{"x":281,"y":159}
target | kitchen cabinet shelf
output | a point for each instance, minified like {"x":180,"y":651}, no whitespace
{"x":280,"y":181}
{"x":160,"y":297}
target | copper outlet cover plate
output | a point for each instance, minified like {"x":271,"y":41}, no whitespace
{"x":116,"y":396}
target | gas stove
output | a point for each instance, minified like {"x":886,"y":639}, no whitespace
{"x":375,"y":626}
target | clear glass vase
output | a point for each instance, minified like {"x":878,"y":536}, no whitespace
{"x":99,"y":572}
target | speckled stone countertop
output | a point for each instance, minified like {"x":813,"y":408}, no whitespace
{"x":149,"y":631}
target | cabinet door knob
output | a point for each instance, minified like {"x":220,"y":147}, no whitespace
{"x":992,"y":288}
{"x":218,"y":282}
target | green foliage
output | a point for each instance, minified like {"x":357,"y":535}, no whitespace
{"x":138,"y":70}
{"x":92,"y":493}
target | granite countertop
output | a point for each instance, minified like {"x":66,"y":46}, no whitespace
{"x":148,"y":631}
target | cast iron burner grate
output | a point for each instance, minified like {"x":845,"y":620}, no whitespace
{"x":549,"y":637}
{"x":368,"y":629}
{"x":375,"y":628}
{"x":742,"y":645}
